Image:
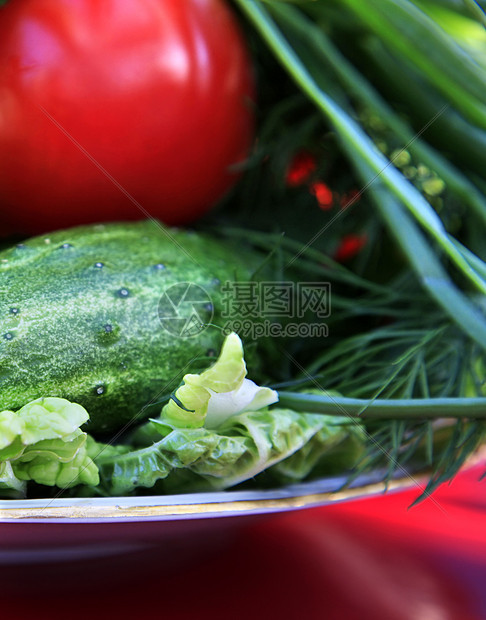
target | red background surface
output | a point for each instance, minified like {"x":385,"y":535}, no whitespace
{"x":369,"y":559}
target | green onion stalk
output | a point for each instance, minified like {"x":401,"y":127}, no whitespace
{"x":399,"y":84}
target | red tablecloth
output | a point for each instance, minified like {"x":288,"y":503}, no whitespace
{"x":368,"y":559}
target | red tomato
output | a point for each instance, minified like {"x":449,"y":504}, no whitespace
{"x":112,"y":110}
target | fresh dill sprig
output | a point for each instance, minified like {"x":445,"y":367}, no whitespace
{"x":405,"y":125}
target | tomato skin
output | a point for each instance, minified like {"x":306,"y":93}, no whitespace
{"x":118,"y":110}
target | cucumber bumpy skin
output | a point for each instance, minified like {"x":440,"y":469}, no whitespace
{"x":79,"y":316}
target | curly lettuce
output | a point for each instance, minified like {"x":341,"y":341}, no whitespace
{"x":194,"y":459}
{"x":43,"y":442}
{"x":218,"y":431}
{"x":221,"y":391}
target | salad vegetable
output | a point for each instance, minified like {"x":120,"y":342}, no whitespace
{"x":198,"y":459}
{"x":210,"y":437}
{"x":184,"y":449}
{"x":117,"y":112}
{"x":218,"y":393}
{"x":107,"y":315}
{"x":43,"y":442}
{"x":350,"y":260}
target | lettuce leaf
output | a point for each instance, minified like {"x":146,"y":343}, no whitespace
{"x":9,"y":481}
{"x":217,"y":431}
{"x":221,"y":391}
{"x":51,"y":471}
{"x":193,"y":459}
{"x":43,"y":442}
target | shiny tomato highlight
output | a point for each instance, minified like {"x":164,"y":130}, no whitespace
{"x":115,"y":110}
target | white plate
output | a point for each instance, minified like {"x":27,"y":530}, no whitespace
{"x":40,"y":530}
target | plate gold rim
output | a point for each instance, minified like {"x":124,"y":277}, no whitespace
{"x":117,"y":510}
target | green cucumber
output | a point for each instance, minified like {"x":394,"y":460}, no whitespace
{"x":86,"y":314}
